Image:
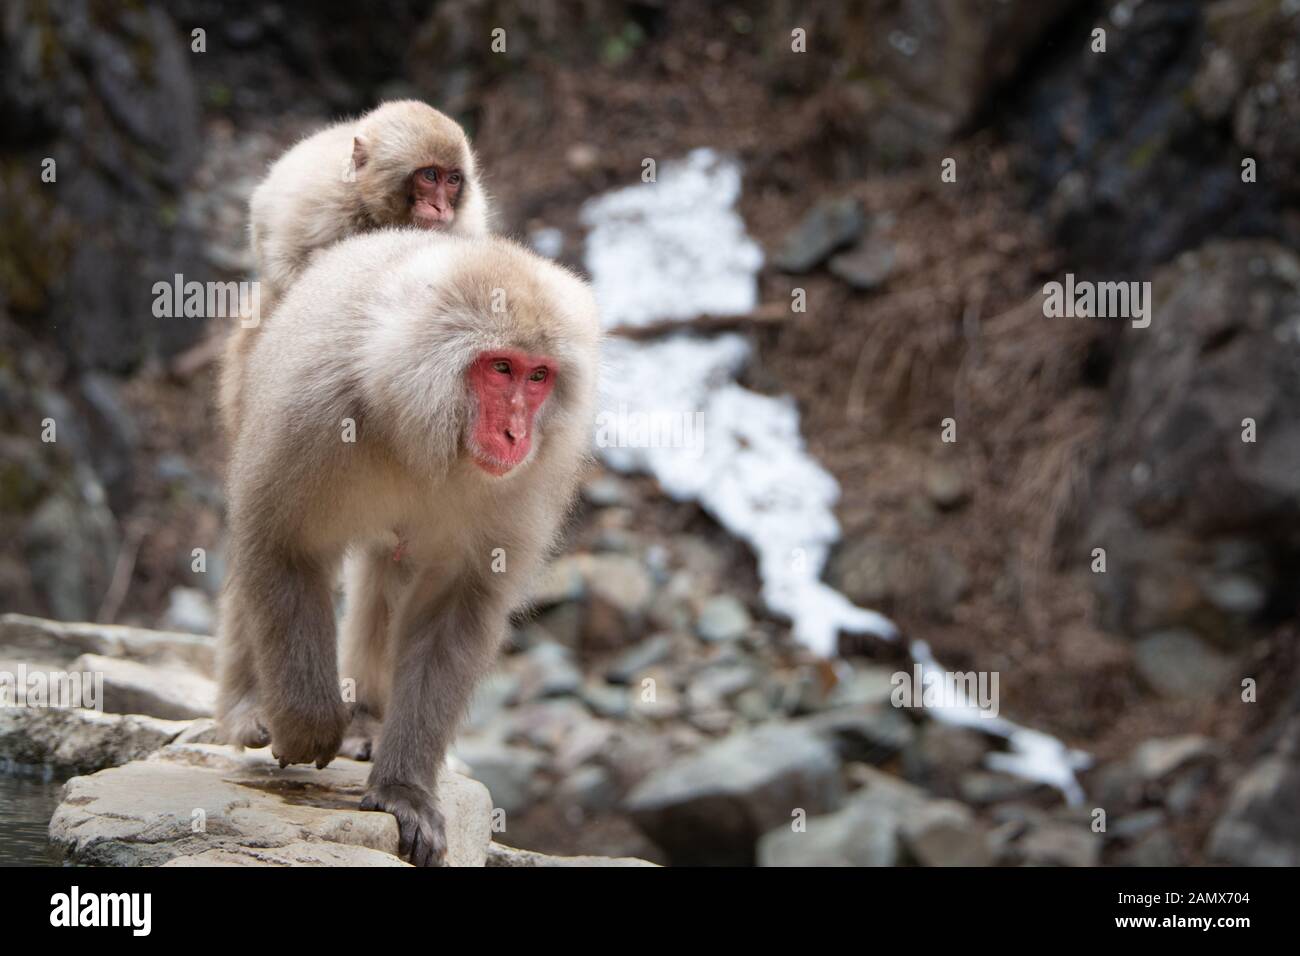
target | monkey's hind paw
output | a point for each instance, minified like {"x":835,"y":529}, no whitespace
{"x":421,"y":831}
{"x":244,"y":726}
{"x":359,"y":741}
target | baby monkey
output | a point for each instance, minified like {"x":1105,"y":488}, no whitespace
{"x":402,"y":164}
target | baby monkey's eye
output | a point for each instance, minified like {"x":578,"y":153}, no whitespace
{"x":502,"y":367}
{"x":453,"y":179}
{"x":539,"y":375}
{"x":431,"y":174}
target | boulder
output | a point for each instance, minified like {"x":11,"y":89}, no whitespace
{"x":1176,"y":663}
{"x":1196,"y":490}
{"x":1053,"y":843}
{"x":865,"y":832}
{"x":509,"y":773}
{"x":1257,"y":828}
{"x":171,"y":691}
{"x":188,"y":800}
{"x":946,"y":833}
{"x":63,"y":641}
{"x":74,"y":740}
{"x":710,"y":807}
{"x":830,"y":225}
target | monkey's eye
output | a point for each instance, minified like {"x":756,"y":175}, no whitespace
{"x":431,"y":174}
{"x":454,"y":179}
{"x":539,"y":375}
{"x":502,"y":367}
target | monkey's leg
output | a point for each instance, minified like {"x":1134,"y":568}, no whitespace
{"x":239,"y":708}
{"x":366,"y":660}
{"x":290,"y":612}
{"x":439,"y":659}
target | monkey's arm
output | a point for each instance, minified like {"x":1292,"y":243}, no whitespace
{"x":285,"y":599}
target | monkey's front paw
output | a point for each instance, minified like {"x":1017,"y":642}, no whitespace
{"x":308,"y":735}
{"x":422,"y":834}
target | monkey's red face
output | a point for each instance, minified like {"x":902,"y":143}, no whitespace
{"x":434,"y":191}
{"x":509,"y":387}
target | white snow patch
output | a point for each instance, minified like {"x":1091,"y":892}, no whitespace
{"x":747,"y":467}
{"x":1032,"y":755}
{"x":675,"y":250}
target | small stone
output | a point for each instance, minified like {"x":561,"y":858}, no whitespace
{"x":1158,"y":849}
{"x":866,"y":687}
{"x":830,"y":225}
{"x":983,"y":787}
{"x":509,"y":773}
{"x":619,"y":580}
{"x":1176,"y":663}
{"x":1159,"y":757}
{"x":591,"y":788}
{"x":582,"y":157}
{"x":548,"y":670}
{"x":1058,"y":844}
{"x":606,"y":700}
{"x":945,"y":833}
{"x":1133,"y":825}
{"x":723,"y":618}
{"x":946,"y":486}
{"x":716,"y":685}
{"x":1237,"y":594}
{"x":584,"y":742}
{"x":868,"y":265}
{"x":869,"y":735}
{"x":947,"y":582}
{"x":546,"y":723}
{"x":942,"y":752}
{"x":1258,"y":826}
{"x":653,"y":650}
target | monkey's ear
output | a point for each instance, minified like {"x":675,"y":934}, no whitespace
{"x":359,"y":152}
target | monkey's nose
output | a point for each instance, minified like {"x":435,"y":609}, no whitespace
{"x":510,"y":436}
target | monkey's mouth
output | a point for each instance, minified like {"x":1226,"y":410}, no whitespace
{"x":494,"y":466}
{"x":428,"y":216}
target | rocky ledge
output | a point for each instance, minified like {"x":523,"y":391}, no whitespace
{"x":162,"y":791}
{"x":197,"y":804}
{"x":200,"y":804}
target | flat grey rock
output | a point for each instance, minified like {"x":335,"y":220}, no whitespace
{"x":188,"y":800}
